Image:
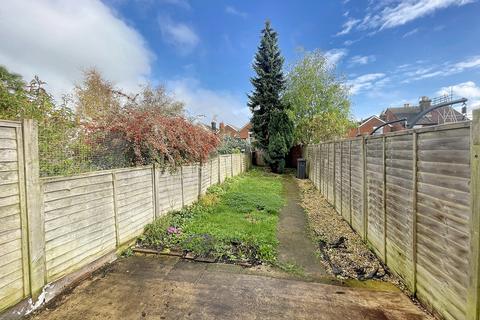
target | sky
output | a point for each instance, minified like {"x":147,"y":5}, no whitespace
{"x":390,"y":52}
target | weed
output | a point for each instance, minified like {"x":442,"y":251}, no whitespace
{"x":233,"y":221}
{"x":127,"y":253}
{"x":291,"y":268}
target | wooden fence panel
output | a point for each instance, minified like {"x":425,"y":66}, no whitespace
{"x":411,"y":192}
{"x":214,"y":171}
{"x":331,"y":173}
{"x":357,"y":186}
{"x":345,"y":178}
{"x":443,"y":215}
{"x":399,"y":205}
{"x":206,"y":178}
{"x":14,"y":280}
{"x":338,"y":177}
{"x":223,"y":169}
{"x":324,"y":173}
{"x":228,"y":165}
{"x":169,"y":193}
{"x":375,"y":195}
{"x":79,"y":222}
{"x":134,"y":202}
{"x":317,"y":169}
{"x":190,"y":175}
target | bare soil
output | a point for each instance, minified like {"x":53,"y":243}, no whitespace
{"x":343,"y":252}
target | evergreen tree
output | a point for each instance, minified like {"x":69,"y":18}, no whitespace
{"x":273,"y":131}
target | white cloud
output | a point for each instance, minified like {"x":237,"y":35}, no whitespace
{"x":334,"y":56}
{"x":449,"y":69}
{"x":394,"y":13}
{"x":410,"y":33}
{"x":179,"y":3}
{"x":473,"y":62}
{"x":178,"y":34}
{"x":350,"y":42}
{"x":407,"y":11}
{"x":467,"y":90}
{"x":56,"y":40}
{"x":366,"y":82}
{"x":233,"y":11}
{"x":361,"y":60}
{"x":200,"y":101}
{"x":347,"y":26}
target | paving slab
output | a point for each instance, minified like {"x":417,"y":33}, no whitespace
{"x":161,"y":287}
{"x":295,"y":245}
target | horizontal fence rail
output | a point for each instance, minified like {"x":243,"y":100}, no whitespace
{"x":53,"y":229}
{"x":409,"y":195}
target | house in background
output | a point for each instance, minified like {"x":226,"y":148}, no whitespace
{"x":368,"y":125}
{"x":246,"y":132}
{"x":442,"y":115}
{"x":438,"y":116}
{"x":226,"y":129}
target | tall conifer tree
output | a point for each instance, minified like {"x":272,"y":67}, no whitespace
{"x":272,"y":128}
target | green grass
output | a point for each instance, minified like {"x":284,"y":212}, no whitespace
{"x":235,"y":221}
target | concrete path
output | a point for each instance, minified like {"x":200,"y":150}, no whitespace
{"x":295,"y":245}
{"x":158,"y":287}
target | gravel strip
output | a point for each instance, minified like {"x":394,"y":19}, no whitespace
{"x":343,"y":252}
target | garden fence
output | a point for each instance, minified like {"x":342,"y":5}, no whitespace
{"x":414,"y":198}
{"x":55,"y":229}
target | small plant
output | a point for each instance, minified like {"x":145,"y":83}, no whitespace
{"x":232,"y":222}
{"x":127,"y":253}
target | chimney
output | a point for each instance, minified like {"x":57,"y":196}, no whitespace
{"x":222,"y":127}
{"x":425,"y":103}
{"x":214,"y":126}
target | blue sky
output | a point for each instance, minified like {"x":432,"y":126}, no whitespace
{"x":391,"y":52}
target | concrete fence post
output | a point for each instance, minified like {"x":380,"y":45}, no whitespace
{"x":384,"y":197}
{"x":115,"y":208}
{"x":334,"y":178}
{"x":181,"y":183}
{"x":154,"y":191}
{"x":414,"y":213}
{"x":473,"y":293}
{"x":35,"y":214}
{"x":218,"y":163}
{"x":200,"y":172}
{"x":364,"y":189}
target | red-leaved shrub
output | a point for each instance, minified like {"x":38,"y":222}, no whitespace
{"x":143,"y":136}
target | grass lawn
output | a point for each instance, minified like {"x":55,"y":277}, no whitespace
{"x":235,"y":221}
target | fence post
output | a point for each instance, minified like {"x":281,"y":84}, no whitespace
{"x":200,"y":172}
{"x":334,"y":176}
{"x":210,"y":161}
{"x":341,"y":178}
{"x":474,"y":274}
{"x":318,"y":168}
{"x":154,"y":191}
{"x":384,"y":197}
{"x":364,"y":189}
{"x":35,"y":214}
{"x":414,"y":213}
{"x":115,"y":208}
{"x":350,"y":181}
{"x":181,"y":183}
{"x":218,"y":164}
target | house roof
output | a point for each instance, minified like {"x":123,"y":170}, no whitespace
{"x":432,"y":118}
{"x":409,"y":113}
{"x":370,"y":118}
{"x":244,"y":126}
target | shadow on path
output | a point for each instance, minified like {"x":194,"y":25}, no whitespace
{"x":295,"y":245}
